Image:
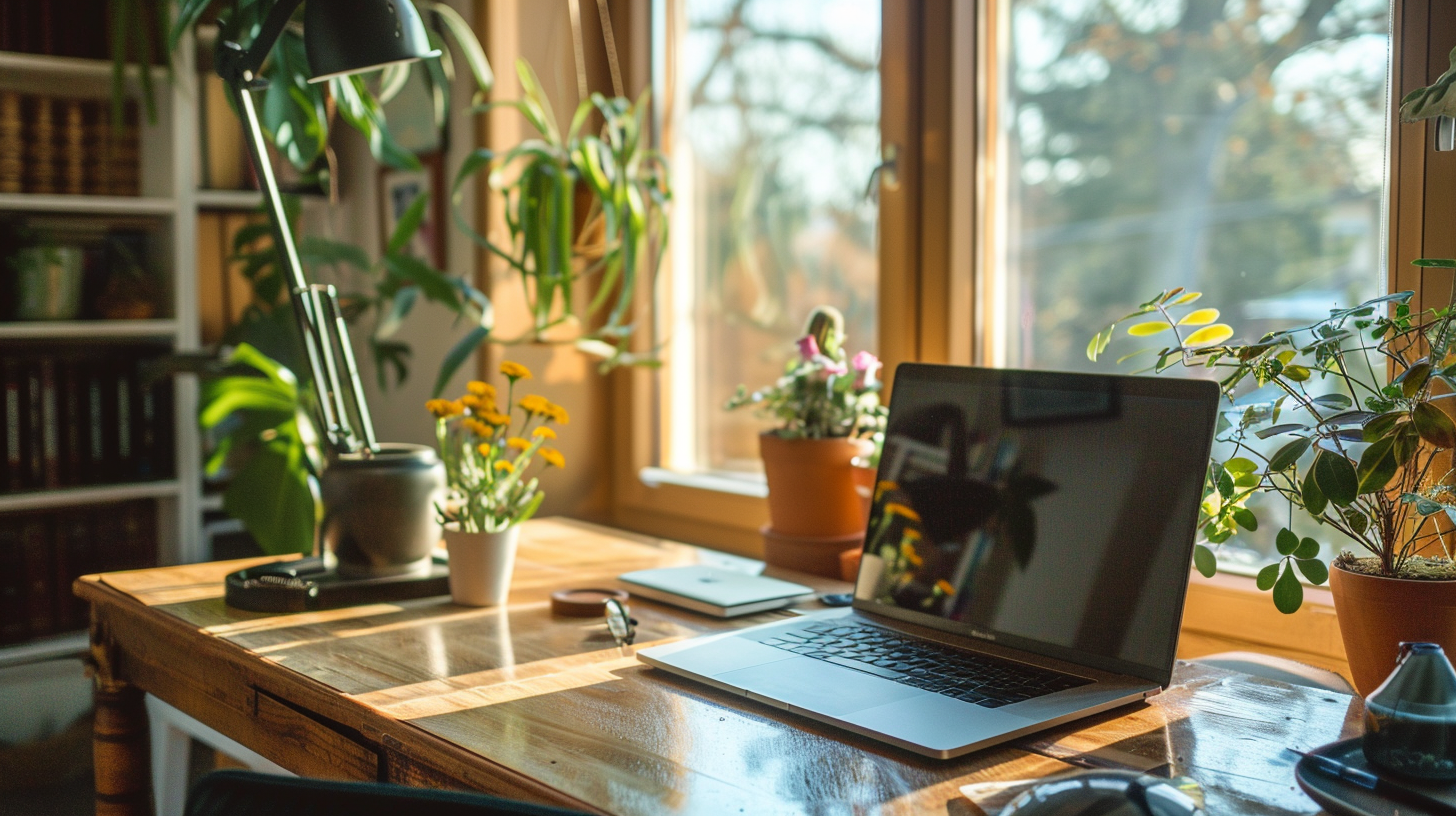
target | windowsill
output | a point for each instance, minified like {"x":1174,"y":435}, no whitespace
{"x":748,"y":485}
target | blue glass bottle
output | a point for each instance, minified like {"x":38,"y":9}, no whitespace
{"x":1410,"y":720}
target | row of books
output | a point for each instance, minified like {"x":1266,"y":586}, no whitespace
{"x":68,"y":146}
{"x":42,"y":554}
{"x":60,"y":28}
{"x":83,"y":416}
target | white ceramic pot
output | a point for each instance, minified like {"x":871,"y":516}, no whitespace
{"x":481,"y":565}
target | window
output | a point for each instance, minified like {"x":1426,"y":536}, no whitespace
{"x":772,"y":128}
{"x":1234,"y":148}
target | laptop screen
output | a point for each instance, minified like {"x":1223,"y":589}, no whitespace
{"x":1046,"y":511}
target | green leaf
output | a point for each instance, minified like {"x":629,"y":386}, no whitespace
{"x":1380,"y":425}
{"x":468,"y":44}
{"x":1239,"y":464}
{"x":1308,"y":548}
{"x":270,"y":495}
{"x":1434,"y":426}
{"x":1186,"y":298}
{"x":1245,"y":518}
{"x":458,"y":354}
{"x":1288,"y":593}
{"x":433,"y":283}
{"x":1286,"y":456}
{"x":1314,"y":499}
{"x":1225,"y":483}
{"x":1266,"y":578}
{"x":1275,"y":430}
{"x":1314,"y":570}
{"x":315,"y":250}
{"x":1297,"y":373}
{"x":1286,"y":542}
{"x":1377,"y":465}
{"x":1336,"y":477}
{"x":1204,"y":561}
{"x":1443,"y":263}
{"x":1412,"y":379}
{"x":1209,"y":335}
{"x":1339,"y":402}
{"x":1356,"y":519}
{"x":1149,"y":328}
{"x":225,"y":396}
{"x":399,"y":308}
{"x":408,"y":224}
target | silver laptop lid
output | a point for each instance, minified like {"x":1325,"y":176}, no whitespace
{"x":1045,"y":511}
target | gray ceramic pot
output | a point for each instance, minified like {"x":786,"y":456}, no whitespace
{"x":379,"y":511}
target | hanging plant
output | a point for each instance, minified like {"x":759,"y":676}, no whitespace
{"x":620,"y":238}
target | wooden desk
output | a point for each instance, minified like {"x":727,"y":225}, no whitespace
{"x":515,"y":702}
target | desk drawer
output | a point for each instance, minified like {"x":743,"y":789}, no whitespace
{"x":308,"y":746}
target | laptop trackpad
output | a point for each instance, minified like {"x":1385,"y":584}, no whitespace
{"x":817,"y":686}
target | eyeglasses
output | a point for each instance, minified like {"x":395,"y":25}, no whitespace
{"x":622,"y":627}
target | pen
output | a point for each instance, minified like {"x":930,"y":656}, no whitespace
{"x":1393,"y":791}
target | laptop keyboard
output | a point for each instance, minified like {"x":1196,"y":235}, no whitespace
{"x":986,"y":681}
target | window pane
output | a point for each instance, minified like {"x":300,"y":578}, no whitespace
{"x":773,"y":133}
{"x":1235,"y":148}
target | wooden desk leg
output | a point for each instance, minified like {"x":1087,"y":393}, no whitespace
{"x":119,"y":743}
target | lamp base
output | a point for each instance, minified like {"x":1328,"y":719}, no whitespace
{"x":307,"y":584}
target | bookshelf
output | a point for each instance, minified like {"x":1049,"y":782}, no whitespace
{"x":166,"y":211}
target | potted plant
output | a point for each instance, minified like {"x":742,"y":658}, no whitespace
{"x":829,"y":414}
{"x":1316,"y":420}
{"x":488,"y":456}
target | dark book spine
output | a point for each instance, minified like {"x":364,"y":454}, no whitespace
{"x":41,"y":146}
{"x":80,"y":548}
{"x":34,"y":438}
{"x":12,"y":582}
{"x":107,"y":544}
{"x":95,"y":423}
{"x":50,"y":422}
{"x":46,"y":27}
{"x":139,"y":534}
{"x":73,"y":423}
{"x":14,"y":423}
{"x":124,"y":463}
{"x":35,"y":543}
{"x":12,"y":141}
{"x":147,"y":453}
{"x":73,"y":147}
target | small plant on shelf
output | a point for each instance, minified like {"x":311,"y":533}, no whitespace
{"x":1362,"y":455}
{"x":488,"y":454}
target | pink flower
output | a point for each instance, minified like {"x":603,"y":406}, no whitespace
{"x":835,"y":367}
{"x":808,"y":347}
{"x":866,"y":365}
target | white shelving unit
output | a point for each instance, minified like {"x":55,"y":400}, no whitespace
{"x":170,"y":202}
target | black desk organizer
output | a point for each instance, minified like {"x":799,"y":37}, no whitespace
{"x":306,"y":585}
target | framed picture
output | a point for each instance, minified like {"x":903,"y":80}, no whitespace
{"x":398,"y":189}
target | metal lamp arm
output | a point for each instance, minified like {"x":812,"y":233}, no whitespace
{"x":238,"y":68}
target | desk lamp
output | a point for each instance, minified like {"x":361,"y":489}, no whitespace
{"x":379,"y":517}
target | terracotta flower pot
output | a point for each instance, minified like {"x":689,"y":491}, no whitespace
{"x":811,"y":486}
{"x":819,"y":555}
{"x":1377,"y":614}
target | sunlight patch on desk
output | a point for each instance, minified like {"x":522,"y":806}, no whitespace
{"x":434,"y":621}
{"x":300,"y":619}
{"x":498,"y":687}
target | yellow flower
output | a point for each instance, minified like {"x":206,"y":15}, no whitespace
{"x":911,"y":533}
{"x":907,"y":549}
{"x":477,"y":427}
{"x":534,"y":404}
{"x":505,"y":467}
{"x":557,"y":414}
{"x":474,"y":403}
{"x":897,"y":509}
{"x":515,"y":371}
{"x":485,"y":448}
{"x":885,"y":487}
{"x":553,"y":457}
{"x":495,"y":418}
{"x":481,"y":389}
{"x":518,"y":443}
{"x":444,"y":409}
{"x":544,"y":432}
{"x":944,"y":587}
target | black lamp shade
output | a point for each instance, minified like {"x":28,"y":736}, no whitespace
{"x":348,"y":36}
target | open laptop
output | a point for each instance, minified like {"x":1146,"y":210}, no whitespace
{"x":1025,"y":563}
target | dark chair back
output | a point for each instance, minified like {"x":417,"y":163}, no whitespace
{"x":244,"y":793}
